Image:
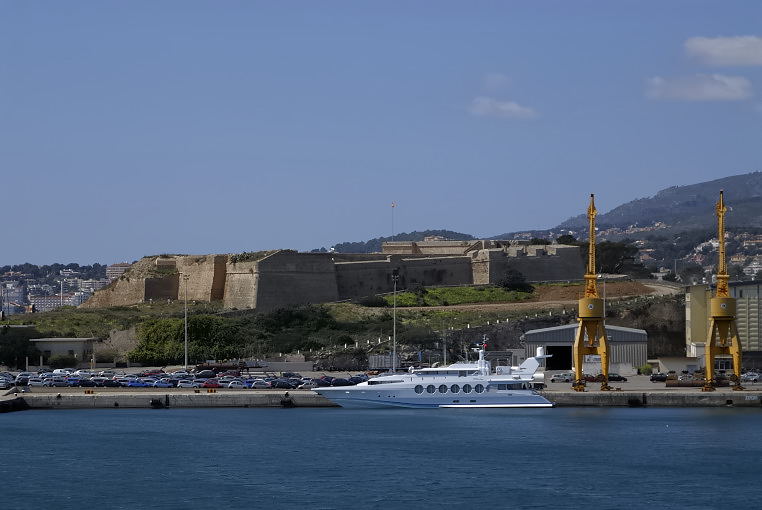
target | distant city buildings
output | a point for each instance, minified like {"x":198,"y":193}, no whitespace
{"x":114,"y":271}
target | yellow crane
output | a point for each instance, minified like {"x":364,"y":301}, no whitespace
{"x":722,"y":337}
{"x":591,"y":333}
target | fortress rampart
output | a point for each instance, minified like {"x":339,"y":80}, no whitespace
{"x":283,"y":278}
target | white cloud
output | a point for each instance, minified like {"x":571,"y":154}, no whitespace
{"x":496,"y":81}
{"x":491,"y":107}
{"x":700,"y":87}
{"x":726,"y":51}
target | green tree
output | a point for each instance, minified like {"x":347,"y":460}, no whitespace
{"x":514,"y":280}
{"x":566,"y":239}
{"x":15,"y":346}
{"x":539,"y":240}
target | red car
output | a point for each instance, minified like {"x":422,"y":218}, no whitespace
{"x":211,"y":383}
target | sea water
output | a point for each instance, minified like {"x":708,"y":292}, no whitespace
{"x":563,"y":458}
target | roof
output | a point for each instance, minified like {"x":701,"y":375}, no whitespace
{"x":563,"y":333}
{"x":574,"y":326}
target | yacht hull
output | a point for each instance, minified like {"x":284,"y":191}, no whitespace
{"x":367,"y":399}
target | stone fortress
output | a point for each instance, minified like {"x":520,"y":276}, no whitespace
{"x":275,"y":279}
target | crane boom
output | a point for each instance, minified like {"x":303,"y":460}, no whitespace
{"x":591,"y":277}
{"x":722,"y":268}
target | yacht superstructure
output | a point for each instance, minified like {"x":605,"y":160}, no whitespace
{"x":458,"y":385}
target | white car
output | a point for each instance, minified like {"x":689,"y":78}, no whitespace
{"x":186,"y":383}
{"x":260,"y":384}
{"x":34,"y":381}
{"x":238,"y":385}
{"x":747,"y":377}
{"x":307,"y":385}
{"x":566,"y":377}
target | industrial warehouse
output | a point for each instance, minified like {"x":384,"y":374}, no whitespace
{"x":628,"y":348}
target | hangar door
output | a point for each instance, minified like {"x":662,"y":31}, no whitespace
{"x":562,"y":357}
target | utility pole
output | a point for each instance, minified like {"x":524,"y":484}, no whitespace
{"x":395,"y":277}
{"x":185,"y":280}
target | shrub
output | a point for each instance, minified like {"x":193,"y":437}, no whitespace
{"x":646,"y":369}
{"x":62,"y":361}
{"x":373,"y":301}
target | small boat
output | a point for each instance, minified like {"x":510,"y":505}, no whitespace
{"x":460,"y":385}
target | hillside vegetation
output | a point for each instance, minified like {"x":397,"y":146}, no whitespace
{"x":689,"y":206}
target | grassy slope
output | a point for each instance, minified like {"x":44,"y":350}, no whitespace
{"x":444,"y":296}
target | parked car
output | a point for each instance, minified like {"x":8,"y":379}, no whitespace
{"x":341,"y":382}
{"x":34,"y":381}
{"x":111,"y":383}
{"x":187,"y":383}
{"x":660,"y":377}
{"x":747,"y":377}
{"x":57,"y":382}
{"x":237,"y":385}
{"x":87,"y":383}
{"x":565,"y":377}
{"x":282,"y":384}
{"x":162,"y":384}
{"x":137,"y":383}
{"x":211,"y":383}
{"x":259,"y":384}
{"x":617,"y":378}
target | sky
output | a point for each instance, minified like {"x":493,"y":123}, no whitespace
{"x":138,"y":128}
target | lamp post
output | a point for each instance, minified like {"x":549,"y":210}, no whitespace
{"x":185,"y":280}
{"x":603,"y":277}
{"x":395,"y":278}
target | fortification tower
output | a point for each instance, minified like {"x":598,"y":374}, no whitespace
{"x":722,"y":337}
{"x":591,"y":333}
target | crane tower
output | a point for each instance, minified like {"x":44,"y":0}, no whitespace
{"x":722,"y":337}
{"x":591,"y":333}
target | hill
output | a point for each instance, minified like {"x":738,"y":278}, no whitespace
{"x":374,"y":245}
{"x":687,"y":207}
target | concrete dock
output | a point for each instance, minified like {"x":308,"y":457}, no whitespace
{"x":108,"y":398}
{"x":689,"y":398}
{"x":99,"y":398}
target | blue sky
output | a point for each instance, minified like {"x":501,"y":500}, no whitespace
{"x":135,"y":128}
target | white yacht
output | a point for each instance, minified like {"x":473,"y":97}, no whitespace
{"x":455,"y":386}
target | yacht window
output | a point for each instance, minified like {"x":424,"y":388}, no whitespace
{"x":502,"y":386}
{"x":419,"y":389}
{"x":454,"y":388}
{"x":442,"y":388}
{"x":461,"y":373}
{"x":466,"y":388}
{"x":430,"y":388}
{"x":479,"y":388}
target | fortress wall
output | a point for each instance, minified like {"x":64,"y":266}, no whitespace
{"x":287,"y":279}
{"x":436,"y":271}
{"x":241,"y":281}
{"x":162,"y":288}
{"x":360,"y":279}
{"x":565,"y":265}
{"x":206,"y":280}
{"x":123,"y":292}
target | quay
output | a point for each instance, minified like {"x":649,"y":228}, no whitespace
{"x":689,"y":397}
{"x":101,"y":398}
{"x":107,"y":398}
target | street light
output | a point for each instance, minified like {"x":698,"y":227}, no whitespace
{"x":603,"y":277}
{"x":395,"y":278}
{"x":185,"y":279}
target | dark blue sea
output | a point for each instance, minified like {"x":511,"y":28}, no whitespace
{"x":564,"y":458}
